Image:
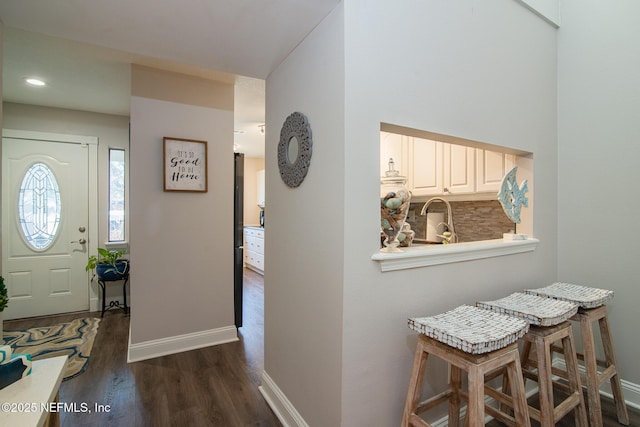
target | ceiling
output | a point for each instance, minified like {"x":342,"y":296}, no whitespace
{"x":84,"y":50}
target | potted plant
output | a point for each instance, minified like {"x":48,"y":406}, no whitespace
{"x":108,"y":264}
{"x":4,"y":301}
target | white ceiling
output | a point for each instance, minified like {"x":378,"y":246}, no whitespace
{"x":83,"y":49}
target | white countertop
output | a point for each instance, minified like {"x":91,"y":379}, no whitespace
{"x":427,"y":255}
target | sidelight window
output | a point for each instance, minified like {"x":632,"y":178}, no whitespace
{"x":116,"y":195}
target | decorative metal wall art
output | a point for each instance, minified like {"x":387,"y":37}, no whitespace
{"x":512,"y":196}
{"x":294,"y":149}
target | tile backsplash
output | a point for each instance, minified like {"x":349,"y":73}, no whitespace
{"x":473,"y":220}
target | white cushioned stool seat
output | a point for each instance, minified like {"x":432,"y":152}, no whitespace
{"x":471,"y":329}
{"x":583,"y":296}
{"x":539,"y":311}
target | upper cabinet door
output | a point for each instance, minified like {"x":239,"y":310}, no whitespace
{"x":459,"y":169}
{"x":393,"y":146}
{"x":426,"y":171}
{"x":435,"y":168}
{"x":491,"y":167}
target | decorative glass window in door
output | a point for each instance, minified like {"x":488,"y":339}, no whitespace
{"x":39,"y":206}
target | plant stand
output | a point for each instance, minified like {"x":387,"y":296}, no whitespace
{"x":114,"y":304}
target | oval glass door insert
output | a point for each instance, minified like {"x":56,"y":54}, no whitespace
{"x":39,"y":206}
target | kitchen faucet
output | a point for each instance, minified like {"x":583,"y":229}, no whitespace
{"x":449,"y":224}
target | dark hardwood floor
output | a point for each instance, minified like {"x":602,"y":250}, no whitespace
{"x":213,"y":386}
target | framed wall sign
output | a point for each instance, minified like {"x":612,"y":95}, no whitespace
{"x":185,"y":164}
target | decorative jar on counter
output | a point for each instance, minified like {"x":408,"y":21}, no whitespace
{"x":394,"y":206}
{"x":406,"y":235}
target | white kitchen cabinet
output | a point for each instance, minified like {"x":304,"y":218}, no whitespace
{"x":394,"y":146}
{"x":426,"y":167}
{"x":254,"y":248}
{"x":435,"y":168}
{"x":459,"y":169}
{"x":260,"y":180}
{"x":491,"y":167}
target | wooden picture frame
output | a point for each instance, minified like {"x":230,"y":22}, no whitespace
{"x":185,"y":165}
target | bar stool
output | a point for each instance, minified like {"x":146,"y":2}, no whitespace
{"x":475,"y":341}
{"x":548,"y":324}
{"x":592,"y":307}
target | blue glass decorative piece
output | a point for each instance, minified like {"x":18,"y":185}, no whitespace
{"x":512,"y":196}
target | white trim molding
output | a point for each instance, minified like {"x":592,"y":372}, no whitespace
{"x":631,"y":391}
{"x":179,"y":343}
{"x":427,"y":255}
{"x":547,"y":10}
{"x":48,"y":136}
{"x":281,"y":406}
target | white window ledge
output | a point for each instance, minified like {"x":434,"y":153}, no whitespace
{"x":427,"y":255}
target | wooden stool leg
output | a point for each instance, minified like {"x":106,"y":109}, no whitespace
{"x":526,"y":351}
{"x":571,"y":361}
{"x":591,"y":379}
{"x":545,"y":385}
{"x":415,"y":384}
{"x":455,"y":383}
{"x":516,"y":381}
{"x":475,"y":404}
{"x":610,"y":356}
{"x":524,"y":362}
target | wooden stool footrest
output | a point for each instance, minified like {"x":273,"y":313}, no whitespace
{"x":434,"y":401}
{"x":502,"y":399}
{"x":415,"y":420}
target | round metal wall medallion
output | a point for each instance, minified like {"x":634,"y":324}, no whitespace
{"x":294,"y":149}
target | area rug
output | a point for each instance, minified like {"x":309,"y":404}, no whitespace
{"x":73,"y":339}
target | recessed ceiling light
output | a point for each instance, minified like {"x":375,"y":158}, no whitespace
{"x":34,"y":82}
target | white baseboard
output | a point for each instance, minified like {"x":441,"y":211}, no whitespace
{"x":631,"y":391}
{"x":256,"y":269}
{"x":281,"y":406}
{"x":94,"y":304}
{"x":177,"y":344}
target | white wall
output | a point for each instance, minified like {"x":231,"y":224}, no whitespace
{"x":599,"y":134}
{"x":485,"y":71}
{"x":181,"y":243}
{"x":305,"y":230}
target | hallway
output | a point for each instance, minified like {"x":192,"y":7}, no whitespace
{"x":213,"y":386}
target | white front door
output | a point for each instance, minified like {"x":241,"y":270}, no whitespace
{"x":45,"y":226}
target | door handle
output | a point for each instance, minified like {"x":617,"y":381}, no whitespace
{"x":81,"y":241}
